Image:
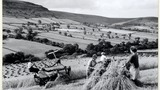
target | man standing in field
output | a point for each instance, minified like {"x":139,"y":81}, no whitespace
{"x":91,"y":65}
{"x":32,"y":67}
{"x":133,"y":62}
{"x":103,"y":57}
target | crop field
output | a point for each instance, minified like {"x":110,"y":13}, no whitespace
{"x":6,"y":26}
{"x":68,"y":21}
{"x":70,"y":30}
{"x":149,"y":72}
{"x":7,"y":51}
{"x":12,"y":20}
{"x":27,"y":47}
{"x":82,"y":42}
{"x":80,"y":38}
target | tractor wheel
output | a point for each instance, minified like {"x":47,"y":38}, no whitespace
{"x":37,"y":79}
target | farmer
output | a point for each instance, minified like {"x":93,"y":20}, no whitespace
{"x":91,"y":64}
{"x":32,"y":67}
{"x":103,"y":57}
{"x":133,"y":64}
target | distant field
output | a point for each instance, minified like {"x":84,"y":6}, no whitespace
{"x":143,"y":35}
{"x":68,"y":21}
{"x":12,"y":20}
{"x":70,"y":40}
{"x":78,"y":35}
{"x":117,"y":31}
{"x":6,"y":51}
{"x":35,"y":20}
{"x":84,"y":40}
{"x":70,"y":30}
{"x":6,"y":26}
{"x":27,"y":47}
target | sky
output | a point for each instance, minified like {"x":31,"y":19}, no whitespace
{"x":106,"y":8}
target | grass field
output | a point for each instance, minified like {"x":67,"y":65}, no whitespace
{"x":149,"y":74}
{"x":78,"y":35}
{"x":25,"y":46}
{"x":70,"y":40}
{"x":84,"y":40}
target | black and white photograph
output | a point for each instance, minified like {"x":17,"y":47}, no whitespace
{"x":80,"y":44}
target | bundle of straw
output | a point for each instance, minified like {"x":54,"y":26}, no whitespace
{"x":113,"y":79}
{"x":60,"y":80}
{"x":115,"y":83}
{"x":95,"y":76}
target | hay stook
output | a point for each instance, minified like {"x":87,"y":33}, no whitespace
{"x":115,"y":77}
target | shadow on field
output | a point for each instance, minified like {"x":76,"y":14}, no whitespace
{"x":150,"y":84}
{"x":144,"y":84}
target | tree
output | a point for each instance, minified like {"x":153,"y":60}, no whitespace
{"x":102,"y":34}
{"x":19,"y":56}
{"x":30,"y":31}
{"x":137,"y":40}
{"x":70,"y":35}
{"x":84,"y":28}
{"x":76,"y":47}
{"x":65,"y":33}
{"x":85,"y":32}
{"x":145,"y":41}
{"x":8,"y":31}
{"x":16,"y":30}
{"x":18,"y":36}
{"x":30,"y":35}
{"x":128,"y":45}
{"x":93,"y":29}
{"x":8,"y":58}
{"x":39,"y":22}
{"x":68,"y":26}
{"x":69,"y":48}
{"x":90,"y":47}
{"x":108,"y":35}
{"x":5,"y":37}
{"x":60,"y":32}
{"x":129,"y":35}
{"x":45,"y":40}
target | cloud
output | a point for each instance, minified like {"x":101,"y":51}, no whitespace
{"x":74,"y":4}
{"x":113,"y":8}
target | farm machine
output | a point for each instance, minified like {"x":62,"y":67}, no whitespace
{"x":53,"y":71}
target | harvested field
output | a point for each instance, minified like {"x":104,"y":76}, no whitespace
{"x":79,"y":66}
{"x":70,"y":40}
{"x":27,"y":47}
{"x":148,"y":77}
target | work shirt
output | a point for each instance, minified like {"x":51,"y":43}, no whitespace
{"x":91,"y":64}
{"x":103,"y":58}
{"x":134,"y":60}
{"x":30,"y":65}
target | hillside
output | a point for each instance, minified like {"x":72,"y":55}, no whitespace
{"x":147,"y":24}
{"x":146,"y":21}
{"x":22,"y":9}
{"x":89,"y":18}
